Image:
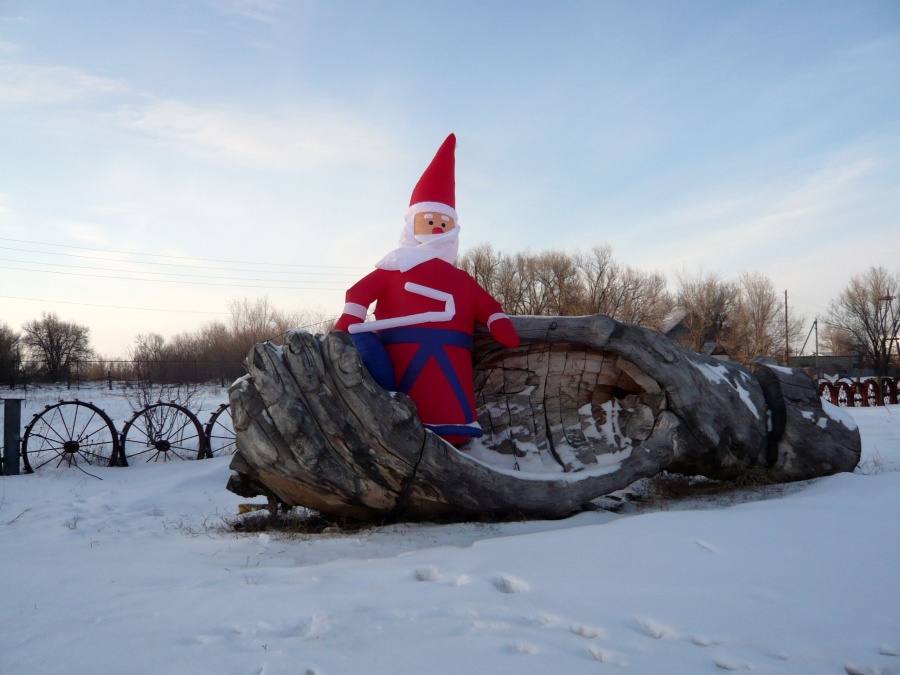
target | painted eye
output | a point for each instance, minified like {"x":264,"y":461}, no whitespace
{"x":431,"y":222}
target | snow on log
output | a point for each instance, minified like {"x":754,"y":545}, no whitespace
{"x":583,"y":407}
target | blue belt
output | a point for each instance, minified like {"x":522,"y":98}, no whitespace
{"x":432,"y":343}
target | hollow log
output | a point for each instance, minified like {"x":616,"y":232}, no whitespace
{"x":583,"y":407}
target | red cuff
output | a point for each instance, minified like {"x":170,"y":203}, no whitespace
{"x":503,"y":331}
{"x":346,"y":321}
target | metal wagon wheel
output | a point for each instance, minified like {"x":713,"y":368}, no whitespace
{"x":869,"y":391}
{"x":67,"y":434}
{"x":220,"y":436}
{"x":889,"y":391}
{"x":845,"y":395}
{"x":827,"y":392}
{"x":161,"y":432}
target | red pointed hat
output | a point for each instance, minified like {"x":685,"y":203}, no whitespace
{"x":436,"y":189}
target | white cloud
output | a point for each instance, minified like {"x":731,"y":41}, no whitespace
{"x":296,"y":138}
{"x":23,"y":83}
{"x":257,"y":10}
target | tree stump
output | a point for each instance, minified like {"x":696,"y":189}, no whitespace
{"x":583,"y":407}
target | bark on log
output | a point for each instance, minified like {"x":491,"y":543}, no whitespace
{"x":585,"y":406}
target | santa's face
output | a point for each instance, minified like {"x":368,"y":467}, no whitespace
{"x":432,"y":223}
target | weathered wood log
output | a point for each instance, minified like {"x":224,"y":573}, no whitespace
{"x":583,"y":407}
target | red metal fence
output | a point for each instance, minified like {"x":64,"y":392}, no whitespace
{"x":860,"y":393}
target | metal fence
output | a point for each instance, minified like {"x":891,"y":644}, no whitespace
{"x":155,"y":372}
{"x":860,"y":393}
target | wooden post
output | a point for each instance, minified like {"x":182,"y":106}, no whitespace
{"x":816,"y":359}
{"x":12,"y":423}
{"x":787,"y":344}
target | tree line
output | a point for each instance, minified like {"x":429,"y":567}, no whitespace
{"x":52,"y":349}
{"x":741,"y":317}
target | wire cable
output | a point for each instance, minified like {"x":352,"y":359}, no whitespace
{"x":173,"y":281}
{"x":174,"y":257}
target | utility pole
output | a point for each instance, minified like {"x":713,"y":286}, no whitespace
{"x":787,"y":346}
{"x":816,"y":326}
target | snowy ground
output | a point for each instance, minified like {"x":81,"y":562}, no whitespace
{"x":133,"y":572}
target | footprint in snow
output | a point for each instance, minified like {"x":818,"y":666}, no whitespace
{"x":706,"y":545}
{"x":656,"y":630}
{"x":606,"y":656}
{"x":521,"y":647}
{"x":588,"y":631}
{"x":542,"y":619}
{"x":507,"y":584}
{"x":884,"y":650}
{"x":427,"y":573}
{"x":727,"y":664}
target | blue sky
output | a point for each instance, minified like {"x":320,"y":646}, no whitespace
{"x":285,"y":138}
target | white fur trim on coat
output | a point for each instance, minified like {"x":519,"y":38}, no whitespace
{"x":493,"y":317}
{"x":357,"y":310}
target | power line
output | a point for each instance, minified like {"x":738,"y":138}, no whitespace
{"x":91,"y":304}
{"x":172,"y":281}
{"x":170,"y":274}
{"x":811,"y":304}
{"x":142,"y":262}
{"x":175,"y":257}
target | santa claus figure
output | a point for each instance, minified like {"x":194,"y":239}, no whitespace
{"x":426,"y":309}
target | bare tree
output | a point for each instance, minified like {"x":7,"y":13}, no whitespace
{"x":745,"y":317}
{"x":758,"y":328}
{"x":254,"y":321}
{"x":56,"y":344}
{"x":869,"y":310}
{"x":9,"y":353}
{"x":566,"y":284}
{"x":839,"y":341}
{"x":217,"y":350}
{"x":624,"y":293}
{"x":710,"y":305}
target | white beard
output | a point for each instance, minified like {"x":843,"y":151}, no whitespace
{"x":415,"y":249}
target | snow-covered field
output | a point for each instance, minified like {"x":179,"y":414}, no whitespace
{"x":133,"y":571}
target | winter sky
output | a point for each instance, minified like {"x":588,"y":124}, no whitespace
{"x":271,"y":147}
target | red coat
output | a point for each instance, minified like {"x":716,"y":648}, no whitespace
{"x":432,"y":359}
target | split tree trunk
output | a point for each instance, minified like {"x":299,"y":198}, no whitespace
{"x":583,"y":407}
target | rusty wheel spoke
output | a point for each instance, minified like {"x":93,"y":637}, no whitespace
{"x":165,"y":431}
{"x":57,"y":436}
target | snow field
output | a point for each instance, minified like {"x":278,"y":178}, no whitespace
{"x":135,"y":573}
